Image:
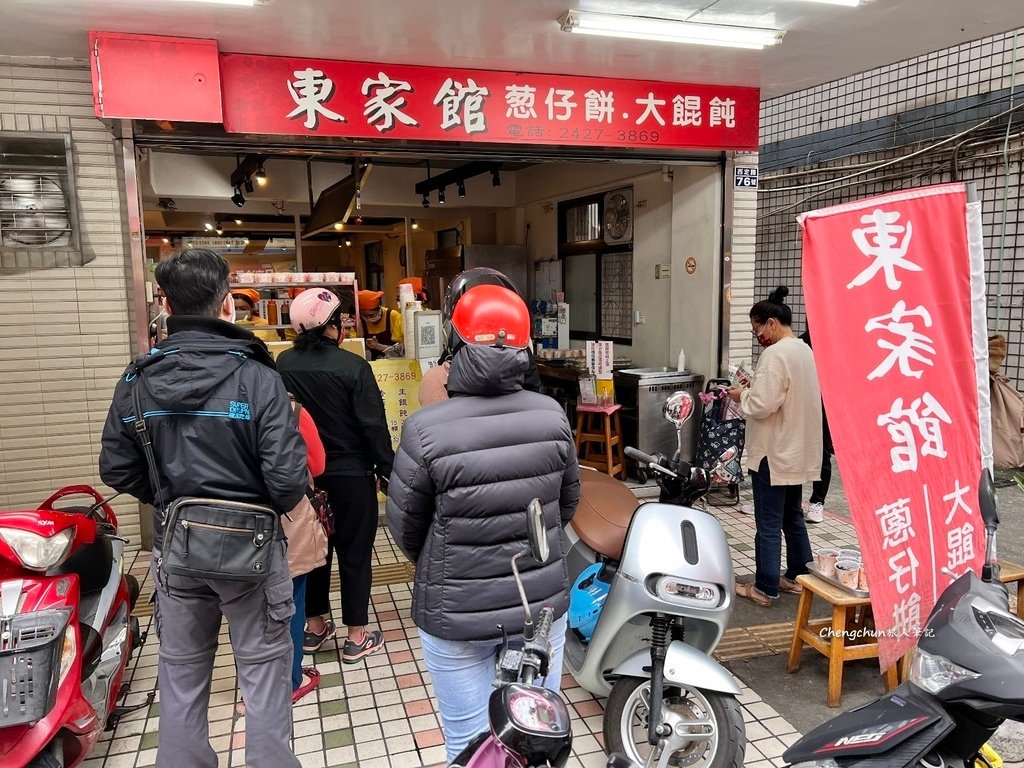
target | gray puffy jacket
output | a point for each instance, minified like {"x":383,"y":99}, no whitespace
{"x":464,"y":474}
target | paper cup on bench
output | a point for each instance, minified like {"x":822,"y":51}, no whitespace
{"x":850,"y":554}
{"x":848,"y":573}
{"x":826,"y":561}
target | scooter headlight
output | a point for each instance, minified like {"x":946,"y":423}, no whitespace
{"x":37,"y":552}
{"x":935,"y":673}
{"x":673,"y":589}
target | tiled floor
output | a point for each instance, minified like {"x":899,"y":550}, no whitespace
{"x":382,"y":713}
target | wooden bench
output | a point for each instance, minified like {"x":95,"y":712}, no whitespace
{"x":845,"y":637}
{"x":1012,"y":573}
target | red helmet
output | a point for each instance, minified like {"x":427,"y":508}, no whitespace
{"x":492,"y":316}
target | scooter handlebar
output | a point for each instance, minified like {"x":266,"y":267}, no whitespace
{"x":639,"y":456}
{"x":652,"y":462}
{"x":544,"y":622}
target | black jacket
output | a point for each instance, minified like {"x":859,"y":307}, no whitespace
{"x":340,"y":392}
{"x":219,"y":419}
{"x":465,"y":472}
{"x":826,"y":435}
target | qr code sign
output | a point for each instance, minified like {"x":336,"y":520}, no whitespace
{"x":428,"y":336}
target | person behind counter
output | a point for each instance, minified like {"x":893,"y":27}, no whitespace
{"x":383,"y":326}
{"x":246,"y":316}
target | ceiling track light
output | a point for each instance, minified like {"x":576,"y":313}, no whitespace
{"x":426,"y":200}
{"x":248,"y":185}
{"x":454,"y":177}
{"x":238,"y":199}
{"x":495,"y":179}
{"x":208,"y":225}
{"x":668,"y":30}
{"x":261,"y":176}
{"x":415,"y":225}
{"x":238,"y":222}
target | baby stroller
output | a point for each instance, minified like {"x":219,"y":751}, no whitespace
{"x":720,"y":444}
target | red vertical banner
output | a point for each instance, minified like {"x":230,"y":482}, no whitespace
{"x":891,"y":286}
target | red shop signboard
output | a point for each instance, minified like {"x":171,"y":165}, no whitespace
{"x":337,"y":98}
{"x":895,"y":301}
{"x":314,"y":97}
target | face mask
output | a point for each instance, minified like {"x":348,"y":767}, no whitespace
{"x":763,"y":340}
{"x":241,"y":316}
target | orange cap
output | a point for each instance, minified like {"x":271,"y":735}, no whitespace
{"x":415,"y":282}
{"x":370,"y":300}
{"x":249,"y":294}
{"x":293,"y":292}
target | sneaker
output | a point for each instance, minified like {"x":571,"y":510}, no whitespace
{"x":312,"y":642}
{"x":747,"y":509}
{"x":309,"y":685}
{"x":372,"y":642}
{"x":815,"y":513}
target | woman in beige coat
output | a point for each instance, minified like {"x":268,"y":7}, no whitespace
{"x":783,"y":409}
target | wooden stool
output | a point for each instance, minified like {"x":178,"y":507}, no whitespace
{"x":600,"y":424}
{"x":849,"y":628}
{"x":1012,"y":573}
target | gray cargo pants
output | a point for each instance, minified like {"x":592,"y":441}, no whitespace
{"x":188,"y":617}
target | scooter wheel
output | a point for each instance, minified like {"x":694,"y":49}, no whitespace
{"x":626,"y":719}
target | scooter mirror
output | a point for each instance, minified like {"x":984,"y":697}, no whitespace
{"x":678,"y":407}
{"x":987,"y":500}
{"x":537,"y":531}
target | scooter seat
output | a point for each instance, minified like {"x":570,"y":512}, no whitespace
{"x":605,"y":510}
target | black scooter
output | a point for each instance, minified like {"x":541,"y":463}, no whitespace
{"x":966,"y":678}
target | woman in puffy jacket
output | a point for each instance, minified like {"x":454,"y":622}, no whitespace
{"x":465,"y":472}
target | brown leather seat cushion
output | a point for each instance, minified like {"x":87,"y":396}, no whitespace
{"x":605,"y":509}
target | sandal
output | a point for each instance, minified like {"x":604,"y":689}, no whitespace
{"x":790,"y":586}
{"x":751,"y":592}
{"x":302,"y":690}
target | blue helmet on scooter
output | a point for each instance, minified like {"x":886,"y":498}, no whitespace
{"x":586,"y":599}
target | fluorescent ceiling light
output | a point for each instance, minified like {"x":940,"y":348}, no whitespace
{"x":249,"y":3}
{"x":666,"y":30}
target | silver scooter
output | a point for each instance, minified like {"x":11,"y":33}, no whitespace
{"x":672,"y":585}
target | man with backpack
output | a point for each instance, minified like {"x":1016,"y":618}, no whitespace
{"x":205,"y":416}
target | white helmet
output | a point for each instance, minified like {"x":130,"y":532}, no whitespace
{"x":313,"y":308}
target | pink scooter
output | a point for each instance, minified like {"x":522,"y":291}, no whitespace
{"x":529,"y":725}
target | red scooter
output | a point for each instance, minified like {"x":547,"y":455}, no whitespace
{"x":66,"y":630}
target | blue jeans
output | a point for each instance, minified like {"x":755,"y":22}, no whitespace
{"x":463,"y":673}
{"x":777,"y":511}
{"x":298,"y":627}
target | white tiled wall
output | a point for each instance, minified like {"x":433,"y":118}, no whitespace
{"x":64,"y":331}
{"x":983,"y":69}
{"x":744,"y":232}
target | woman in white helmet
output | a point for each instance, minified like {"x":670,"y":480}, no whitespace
{"x":340,"y":392}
